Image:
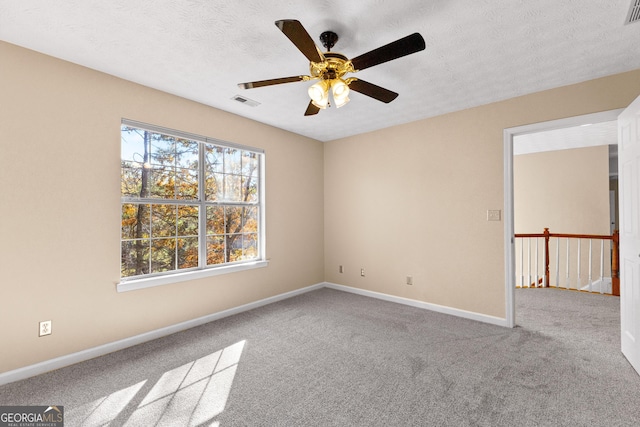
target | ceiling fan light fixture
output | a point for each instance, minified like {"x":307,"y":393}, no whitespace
{"x":340,"y":91}
{"x":342,"y":102}
{"x":330,"y":67}
{"x":319,"y":94}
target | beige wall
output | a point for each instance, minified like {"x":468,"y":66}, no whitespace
{"x":565,"y":190}
{"x":60,"y":216}
{"x":413,"y":199}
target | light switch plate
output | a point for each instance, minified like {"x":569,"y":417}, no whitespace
{"x":493,"y":215}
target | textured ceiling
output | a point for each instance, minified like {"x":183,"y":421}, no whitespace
{"x":477,"y":52}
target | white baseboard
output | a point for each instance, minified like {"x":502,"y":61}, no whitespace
{"x":80,"y":356}
{"x":420,"y":304}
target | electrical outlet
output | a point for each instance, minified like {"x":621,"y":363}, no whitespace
{"x":409,"y":280}
{"x":340,"y":269}
{"x":45,"y":328}
{"x":362,"y":272}
{"x":493,"y":215}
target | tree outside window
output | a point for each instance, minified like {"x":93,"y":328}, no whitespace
{"x":186,"y":204}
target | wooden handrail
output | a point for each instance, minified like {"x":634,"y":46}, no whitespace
{"x":615,"y":240}
{"x":575,"y":236}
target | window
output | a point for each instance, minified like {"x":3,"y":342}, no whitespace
{"x":189,"y":203}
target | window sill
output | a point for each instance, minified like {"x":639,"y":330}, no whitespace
{"x":132,"y":285}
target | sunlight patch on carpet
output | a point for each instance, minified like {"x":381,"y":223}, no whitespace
{"x":192,"y":394}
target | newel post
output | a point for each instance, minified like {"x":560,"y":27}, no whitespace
{"x":615,"y":264}
{"x":546,"y":257}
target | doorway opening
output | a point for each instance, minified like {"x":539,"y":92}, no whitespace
{"x":526,"y":132}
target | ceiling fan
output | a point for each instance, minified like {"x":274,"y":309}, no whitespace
{"x":329,"y":68}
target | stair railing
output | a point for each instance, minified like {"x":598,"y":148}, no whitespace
{"x":534,"y":273}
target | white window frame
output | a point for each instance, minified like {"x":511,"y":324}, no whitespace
{"x":203,"y":270}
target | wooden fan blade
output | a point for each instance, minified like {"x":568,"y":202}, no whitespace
{"x":260,"y":83}
{"x":300,"y":37}
{"x":374,"y":91}
{"x":311,"y":109}
{"x":397,"y":49}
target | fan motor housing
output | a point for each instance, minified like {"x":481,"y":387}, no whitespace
{"x":334,"y":66}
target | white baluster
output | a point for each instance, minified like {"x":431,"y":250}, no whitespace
{"x":557,"y":262}
{"x":521,"y":262}
{"x":537,"y":268}
{"x":590,"y":256}
{"x":568,"y":286}
{"x":602,"y":267}
{"x":545,"y":262}
{"x":529,"y":262}
{"x":579,"y":282}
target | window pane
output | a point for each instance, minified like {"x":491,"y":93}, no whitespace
{"x":134,"y":257}
{"x":187,"y":184}
{"x":232,"y":161}
{"x":234,"y":247}
{"x":249,"y":164}
{"x":214,"y":190}
{"x":215,"y":220}
{"x":187,"y":221}
{"x":215,"y":250}
{"x":233,"y":188}
{"x":233,"y":219}
{"x":135,"y":221}
{"x":163,"y":150}
{"x":187,"y":154}
{"x":162,"y":183}
{"x":163,"y":220}
{"x":188,"y":252}
{"x":249,"y":189}
{"x":163,"y":255}
{"x":214,"y":159}
{"x":130,"y":181}
{"x":132,"y":145}
{"x":250,"y":218}
{"x":129,"y":221}
{"x":250,"y":246}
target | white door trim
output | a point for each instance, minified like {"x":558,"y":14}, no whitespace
{"x":508,"y":135}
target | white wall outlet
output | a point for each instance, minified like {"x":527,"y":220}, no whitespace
{"x":409,"y":280}
{"x":340,"y":269}
{"x":362,"y":272}
{"x":45,"y":328}
{"x":493,"y":215}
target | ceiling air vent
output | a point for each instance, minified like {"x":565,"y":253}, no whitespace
{"x":634,"y":12}
{"x":250,"y":102}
